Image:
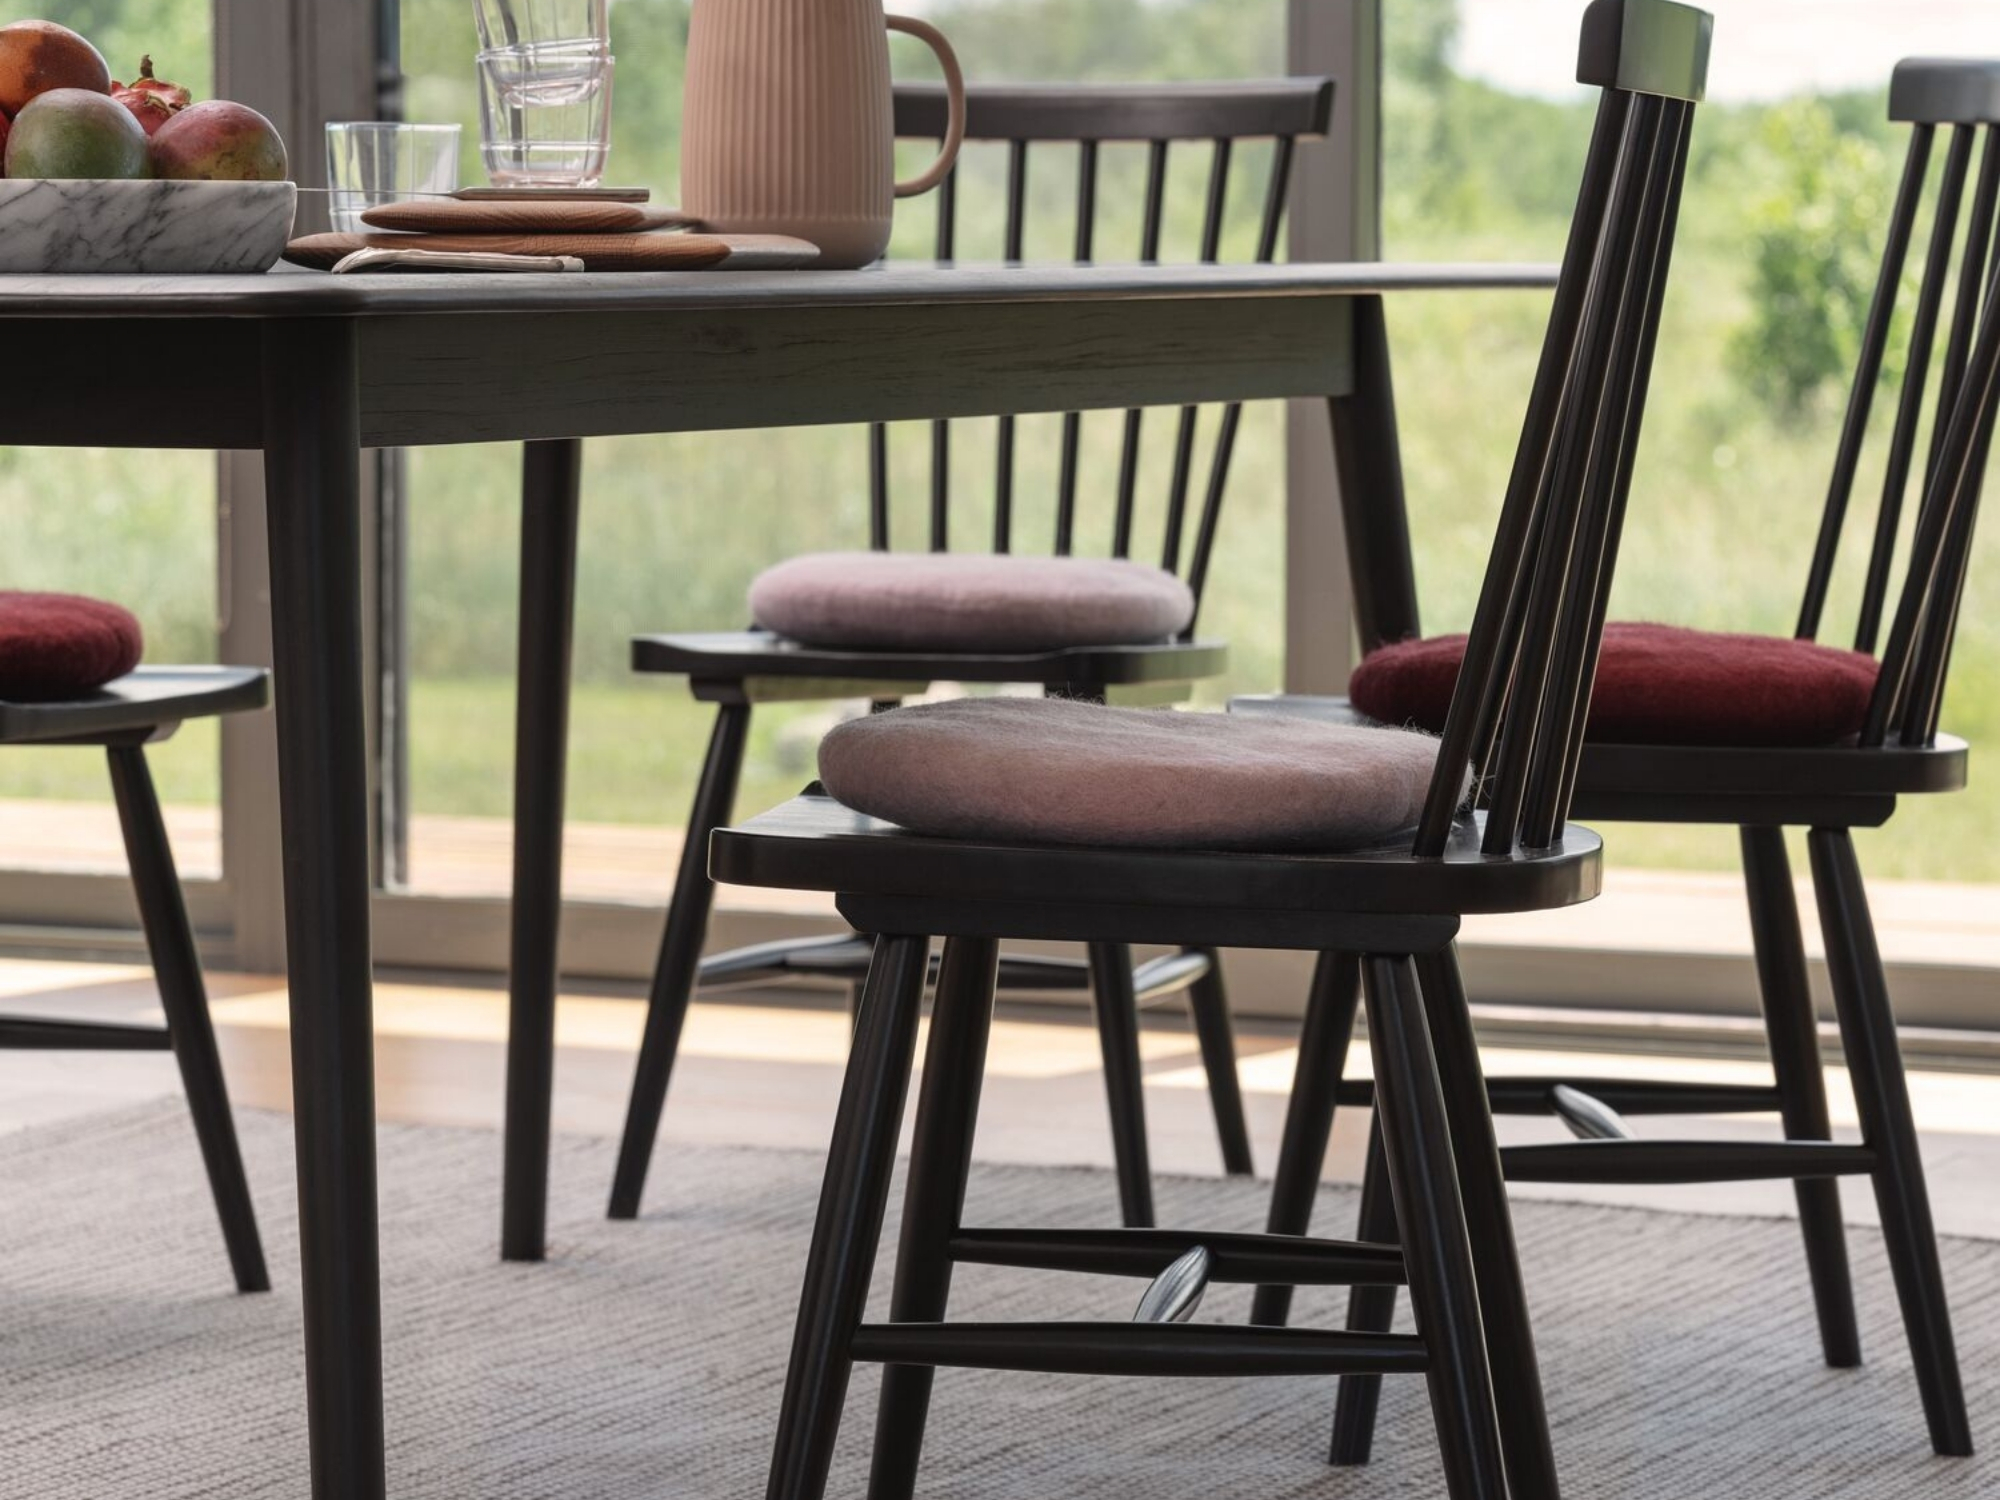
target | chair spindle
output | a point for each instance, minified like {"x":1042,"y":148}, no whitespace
{"x":1153,"y":217}
{"x":1072,"y":430}
{"x":1565,"y":505}
{"x":1874,"y":344}
{"x":947,"y":251}
{"x":1909,"y":409}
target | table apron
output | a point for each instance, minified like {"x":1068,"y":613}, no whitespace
{"x":491,"y":377}
{"x":132,"y":382}
{"x":445,"y":379}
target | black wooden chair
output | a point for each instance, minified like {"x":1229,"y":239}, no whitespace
{"x":962,"y":870}
{"x":122,"y":718}
{"x":902,"y":658}
{"x":1850,"y":779}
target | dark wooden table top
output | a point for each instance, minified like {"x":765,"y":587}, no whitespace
{"x":467,"y":359}
{"x":287,"y":293}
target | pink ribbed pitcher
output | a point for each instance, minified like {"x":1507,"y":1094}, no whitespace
{"x":788,"y":126}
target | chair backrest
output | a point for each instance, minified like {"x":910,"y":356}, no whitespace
{"x":1083,"y":119}
{"x":1518,"y":712}
{"x":1961,"y":96}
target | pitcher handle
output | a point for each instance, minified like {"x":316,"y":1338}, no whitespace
{"x":954,"y":82}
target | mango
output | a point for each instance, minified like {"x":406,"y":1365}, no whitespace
{"x":75,"y":133}
{"x":38,"y":56}
{"x":219,"y":142}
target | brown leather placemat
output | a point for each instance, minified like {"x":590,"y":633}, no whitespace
{"x":449,"y":216}
{"x":598,"y":252}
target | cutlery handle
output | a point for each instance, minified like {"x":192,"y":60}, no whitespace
{"x":954,"y":82}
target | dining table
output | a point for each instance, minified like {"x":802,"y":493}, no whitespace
{"x":313,"y":368}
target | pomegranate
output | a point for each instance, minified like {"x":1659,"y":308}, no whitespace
{"x":153,"y":101}
{"x":37,"y":56}
{"x":219,"y":142}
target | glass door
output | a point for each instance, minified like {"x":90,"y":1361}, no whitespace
{"x":1795,"y":165}
{"x":138,"y":528}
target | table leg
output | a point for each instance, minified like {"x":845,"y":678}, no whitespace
{"x":1369,"y":457}
{"x":551,"y":484}
{"x":312,"y":465}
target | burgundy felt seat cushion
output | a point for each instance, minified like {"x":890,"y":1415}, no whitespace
{"x":1059,"y":771}
{"x":944,"y":601}
{"x":55,"y":646}
{"x":1658,"y":685}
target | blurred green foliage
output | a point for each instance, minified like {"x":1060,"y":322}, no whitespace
{"x":1814,"y":229}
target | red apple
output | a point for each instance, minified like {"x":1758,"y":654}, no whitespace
{"x":219,"y":142}
{"x":3,"y":143}
{"x":153,"y":101}
{"x":37,"y":56}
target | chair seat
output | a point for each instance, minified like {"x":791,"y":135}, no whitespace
{"x":1699,"y":783}
{"x":1658,"y":685}
{"x":944,"y":601}
{"x":56,"y":646}
{"x":150,"y":698}
{"x":1060,"y":771}
{"x":733,"y":656}
{"x":888,"y":879}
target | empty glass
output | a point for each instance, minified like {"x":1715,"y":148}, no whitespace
{"x":527,"y":23}
{"x":369,"y":163}
{"x":545,"y":113}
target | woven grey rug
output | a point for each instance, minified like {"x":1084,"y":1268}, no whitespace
{"x":645,"y":1359}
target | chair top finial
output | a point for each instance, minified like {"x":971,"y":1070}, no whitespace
{"x":1946,"y":91}
{"x":1646,"y":47}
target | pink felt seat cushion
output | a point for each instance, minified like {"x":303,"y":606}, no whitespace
{"x":1658,"y":685}
{"x":55,"y":646}
{"x":945,"y":601}
{"x":1059,"y":771}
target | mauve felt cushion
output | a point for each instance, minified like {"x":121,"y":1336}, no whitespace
{"x":55,"y":646}
{"x":945,"y":601}
{"x":1060,"y":771}
{"x":1658,"y":685}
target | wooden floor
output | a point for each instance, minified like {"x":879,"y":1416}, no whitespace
{"x":768,"y":1074}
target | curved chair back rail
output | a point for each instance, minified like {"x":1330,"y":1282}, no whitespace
{"x":1961,"y":99}
{"x":1523,"y":694}
{"x":1216,"y":116}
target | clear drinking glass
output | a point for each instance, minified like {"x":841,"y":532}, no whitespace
{"x":545,"y":113}
{"x":369,"y":163}
{"x":528,"y":23}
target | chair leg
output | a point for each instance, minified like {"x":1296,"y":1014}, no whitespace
{"x":1882,"y":1098}
{"x":177,"y":968}
{"x":680,"y":956}
{"x":940,"y":1160}
{"x":1323,"y":1041}
{"x":1801,"y":1079}
{"x":1503,"y":1303}
{"x":1118,"y":1038}
{"x":853,"y":1199}
{"x":1418,"y":1147}
{"x":1370,"y":1309}
{"x":1208,"y":1005}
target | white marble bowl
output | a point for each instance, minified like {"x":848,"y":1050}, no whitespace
{"x":143,"y":228}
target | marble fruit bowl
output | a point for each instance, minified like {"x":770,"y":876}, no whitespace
{"x":143,"y":228}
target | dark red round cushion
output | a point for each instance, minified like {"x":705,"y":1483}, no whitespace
{"x":55,"y":646}
{"x":1658,"y":685}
